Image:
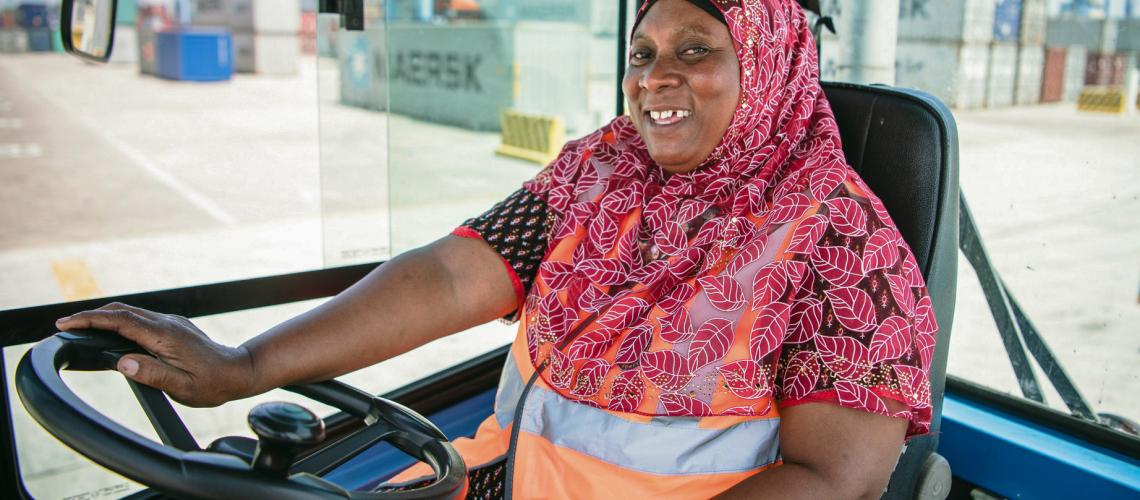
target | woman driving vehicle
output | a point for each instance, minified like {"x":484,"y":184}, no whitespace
{"x":710,"y":301}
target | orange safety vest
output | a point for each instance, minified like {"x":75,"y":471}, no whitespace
{"x":563,"y":448}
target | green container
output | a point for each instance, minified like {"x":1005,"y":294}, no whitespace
{"x":126,"y":12}
{"x":56,"y":41}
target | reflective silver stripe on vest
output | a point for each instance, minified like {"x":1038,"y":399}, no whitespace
{"x":664,"y":445}
{"x":511,"y":387}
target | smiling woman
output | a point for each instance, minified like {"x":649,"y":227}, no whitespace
{"x":709,"y":299}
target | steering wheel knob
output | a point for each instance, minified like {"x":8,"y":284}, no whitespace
{"x":282,"y":429}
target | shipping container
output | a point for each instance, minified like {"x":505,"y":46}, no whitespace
{"x":1034,"y":21}
{"x":195,"y":54}
{"x":955,"y":72}
{"x":13,"y":41}
{"x":39,"y":39}
{"x":1007,"y":21}
{"x":126,"y":12}
{"x":308,"y":34}
{"x":1053,"y":74}
{"x":328,"y":29}
{"x":8,"y":19}
{"x":151,"y":20}
{"x":1075,"y":62}
{"x":1128,"y":36}
{"x":56,"y":41}
{"x":361,"y":60}
{"x":32,"y":16}
{"x":1030,"y":69}
{"x":265,"y":54}
{"x":265,"y":16}
{"x":947,"y":20}
{"x":1104,"y":69}
{"x":1096,"y":35}
{"x":1001,"y":74}
{"x":126,"y":47}
{"x":210,"y":13}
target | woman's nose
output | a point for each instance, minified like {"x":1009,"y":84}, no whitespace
{"x":662,"y":74}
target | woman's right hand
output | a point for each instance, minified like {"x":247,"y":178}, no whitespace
{"x":184,"y":362}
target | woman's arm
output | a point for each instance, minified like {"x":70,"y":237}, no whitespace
{"x":417,"y":297}
{"x":829,"y":451}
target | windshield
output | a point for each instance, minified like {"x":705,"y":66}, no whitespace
{"x":324,"y":147}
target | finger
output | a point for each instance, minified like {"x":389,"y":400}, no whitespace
{"x":147,"y":370}
{"x":119,"y":306}
{"x":123,"y":322}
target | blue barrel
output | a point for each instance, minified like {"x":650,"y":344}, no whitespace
{"x":39,"y":40}
{"x":195,"y":54}
{"x":33,"y":16}
{"x":1007,"y":21}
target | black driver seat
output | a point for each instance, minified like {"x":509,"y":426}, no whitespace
{"x":904,"y":143}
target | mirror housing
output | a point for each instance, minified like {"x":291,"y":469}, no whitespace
{"x":87,"y":28}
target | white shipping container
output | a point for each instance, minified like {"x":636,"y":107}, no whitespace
{"x":210,"y":13}
{"x":276,"y":16}
{"x":1075,"y":72}
{"x":126,"y":47}
{"x":947,"y":20}
{"x":266,"y":54}
{"x":1033,"y":22}
{"x":13,"y":41}
{"x":954,"y":72}
{"x":1001,"y":76}
{"x":1030,"y":71}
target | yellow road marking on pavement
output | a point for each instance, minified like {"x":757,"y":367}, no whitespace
{"x":75,"y":280}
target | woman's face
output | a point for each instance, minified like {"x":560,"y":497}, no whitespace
{"x":683,"y":83}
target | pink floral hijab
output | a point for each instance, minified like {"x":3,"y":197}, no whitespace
{"x":768,"y":277}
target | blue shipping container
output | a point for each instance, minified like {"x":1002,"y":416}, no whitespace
{"x":33,"y":15}
{"x":39,"y":40}
{"x":1007,"y":21}
{"x":195,"y":54}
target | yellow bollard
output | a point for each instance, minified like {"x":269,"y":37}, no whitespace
{"x":530,"y":137}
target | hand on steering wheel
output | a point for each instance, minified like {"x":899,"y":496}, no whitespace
{"x":184,"y":363}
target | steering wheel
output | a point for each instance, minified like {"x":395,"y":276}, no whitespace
{"x":180,"y":467}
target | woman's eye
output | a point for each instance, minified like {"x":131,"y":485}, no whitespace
{"x":639,"y":57}
{"x":695,"y":51}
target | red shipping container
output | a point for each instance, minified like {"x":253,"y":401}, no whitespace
{"x":1053,"y":76}
{"x":1104,"y":69}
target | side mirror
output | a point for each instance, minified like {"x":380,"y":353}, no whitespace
{"x":87,"y":28}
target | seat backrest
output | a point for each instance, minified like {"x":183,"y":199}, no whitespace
{"x":904,"y":144}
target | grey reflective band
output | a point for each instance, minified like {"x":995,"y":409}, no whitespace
{"x":664,"y":445}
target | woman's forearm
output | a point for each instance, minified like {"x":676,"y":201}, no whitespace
{"x":417,"y":297}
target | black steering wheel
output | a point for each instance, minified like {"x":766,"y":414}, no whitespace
{"x":179,"y":467}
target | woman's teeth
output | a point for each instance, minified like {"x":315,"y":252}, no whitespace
{"x":669,"y":117}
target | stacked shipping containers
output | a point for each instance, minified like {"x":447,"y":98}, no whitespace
{"x":150,"y":20}
{"x":126,"y":48}
{"x":1053,"y":75}
{"x":264,"y":32}
{"x":943,"y":49}
{"x":1031,"y":52}
{"x":1001,"y":77}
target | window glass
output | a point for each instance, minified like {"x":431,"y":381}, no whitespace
{"x":1052,"y":184}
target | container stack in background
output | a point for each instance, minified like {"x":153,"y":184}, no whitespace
{"x":149,"y":21}
{"x":308,"y":33}
{"x":126,"y":47}
{"x":1001,"y":78}
{"x":1030,"y":53}
{"x":27,"y":28}
{"x":265,"y":32}
{"x":360,"y":57}
{"x":944,"y":48}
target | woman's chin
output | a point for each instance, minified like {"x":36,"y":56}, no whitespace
{"x":674,"y":163}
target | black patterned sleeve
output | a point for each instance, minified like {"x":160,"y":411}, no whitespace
{"x":517,"y":229}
